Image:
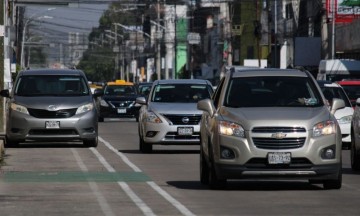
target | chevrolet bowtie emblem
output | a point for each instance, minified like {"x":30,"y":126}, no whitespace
{"x":279,"y":135}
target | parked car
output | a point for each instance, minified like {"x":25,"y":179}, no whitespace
{"x":51,"y":105}
{"x":334,"y":90}
{"x":355,"y":138}
{"x":169,"y":114}
{"x":352,"y":89}
{"x":118,"y":100}
{"x":269,"y":123}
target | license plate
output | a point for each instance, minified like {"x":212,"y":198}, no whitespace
{"x":279,"y":157}
{"x":121,"y":110}
{"x":52,"y":124}
{"x":185,"y":130}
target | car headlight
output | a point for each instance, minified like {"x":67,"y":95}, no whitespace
{"x":231,"y":129}
{"x":324,"y":128}
{"x":152,"y":117}
{"x":103,"y":103}
{"x":19,"y":108}
{"x":85,"y":108}
{"x":345,"y":119}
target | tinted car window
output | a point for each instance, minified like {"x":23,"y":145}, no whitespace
{"x":334,"y":92}
{"x":180,"y":93}
{"x":272,"y":91}
{"x":54,"y":85}
{"x":119,"y":90}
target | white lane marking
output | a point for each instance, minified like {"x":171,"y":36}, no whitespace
{"x":171,"y":199}
{"x":143,"y":207}
{"x":105,"y":207}
{"x":158,"y":189}
{"x":121,"y":155}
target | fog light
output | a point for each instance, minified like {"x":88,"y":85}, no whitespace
{"x":151,"y":133}
{"x":328,"y":153}
{"x":226,"y":153}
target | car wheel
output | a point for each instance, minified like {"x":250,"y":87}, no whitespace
{"x":204,"y":169}
{"x":354,"y":155}
{"x":101,"y":119}
{"x":10,"y":143}
{"x":214,"y":182}
{"x":333,"y":183}
{"x":143,"y":146}
{"x":91,"y":143}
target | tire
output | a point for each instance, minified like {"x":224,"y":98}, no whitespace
{"x":204,"y":169}
{"x":10,"y":143}
{"x":354,"y":155}
{"x":214,"y":182}
{"x":143,"y":146}
{"x":91,"y":143}
{"x":333,"y":183}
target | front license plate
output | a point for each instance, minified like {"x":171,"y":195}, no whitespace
{"x":185,"y":130}
{"x":279,"y":157}
{"x":121,"y":110}
{"x":52,"y":124}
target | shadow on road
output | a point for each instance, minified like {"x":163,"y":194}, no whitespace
{"x":256,"y":185}
{"x":349,"y":171}
{"x":154,"y":152}
{"x":50,"y":145}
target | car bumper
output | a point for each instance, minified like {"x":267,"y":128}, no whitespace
{"x":306,"y":161}
{"x":168,"y":134}
{"x":22,"y":127}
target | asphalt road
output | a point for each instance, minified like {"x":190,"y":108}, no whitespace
{"x":116,"y":179}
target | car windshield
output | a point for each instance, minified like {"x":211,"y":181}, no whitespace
{"x":51,"y":85}
{"x":353,"y":91}
{"x":269,"y":91}
{"x":335,"y":92}
{"x":115,"y":90}
{"x":180,"y":93}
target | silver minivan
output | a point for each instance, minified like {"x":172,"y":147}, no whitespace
{"x":270,"y":123}
{"x":51,"y":105}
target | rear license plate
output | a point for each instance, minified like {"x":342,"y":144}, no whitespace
{"x":52,"y":124}
{"x":279,"y":157}
{"x":185,"y":130}
{"x":121,"y":110}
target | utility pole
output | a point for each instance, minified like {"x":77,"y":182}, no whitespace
{"x":158,"y":50}
{"x":2,"y":32}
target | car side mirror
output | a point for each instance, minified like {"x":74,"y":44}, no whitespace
{"x":206,"y":105}
{"x":98,"y":93}
{"x":5,"y":93}
{"x":141,"y":100}
{"x":337,"y":104}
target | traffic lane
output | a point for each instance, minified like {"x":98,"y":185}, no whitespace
{"x":50,"y":181}
{"x":179,"y":175}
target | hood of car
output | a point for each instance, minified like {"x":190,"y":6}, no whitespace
{"x":344,"y":112}
{"x":276,"y":117}
{"x":174,"y":108}
{"x":56,"y":103}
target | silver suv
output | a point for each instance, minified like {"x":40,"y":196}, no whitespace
{"x":269,"y":123}
{"x":51,"y":105}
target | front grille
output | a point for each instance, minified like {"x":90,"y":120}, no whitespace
{"x":279,"y":129}
{"x":273,"y":143}
{"x":175,"y":136}
{"x":182,"y":119}
{"x":64,"y":113}
{"x":263,"y":163}
{"x":276,"y":143}
{"x":54,"y":132}
{"x":121,"y":104}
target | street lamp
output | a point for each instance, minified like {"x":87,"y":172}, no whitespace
{"x":31,"y":18}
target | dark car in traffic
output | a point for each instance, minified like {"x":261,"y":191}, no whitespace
{"x":118,"y":100}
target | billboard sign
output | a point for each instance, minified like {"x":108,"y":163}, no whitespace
{"x":344,"y":10}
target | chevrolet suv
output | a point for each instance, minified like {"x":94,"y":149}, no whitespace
{"x":269,"y":123}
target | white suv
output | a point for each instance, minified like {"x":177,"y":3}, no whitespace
{"x":270,"y":123}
